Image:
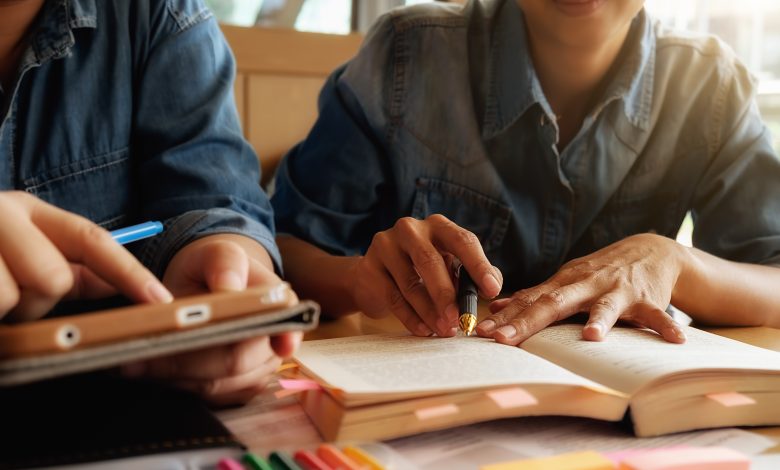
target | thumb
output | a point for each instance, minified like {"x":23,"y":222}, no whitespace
{"x":260,"y":274}
{"x":225,"y":266}
{"x":285,"y":344}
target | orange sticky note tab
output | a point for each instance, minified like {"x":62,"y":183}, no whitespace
{"x":690,"y":458}
{"x":335,"y":458}
{"x":730,"y":399}
{"x":286,"y":393}
{"x":436,"y":411}
{"x":574,"y":461}
{"x":512,"y":398}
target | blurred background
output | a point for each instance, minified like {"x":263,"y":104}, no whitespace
{"x":750,"y":27}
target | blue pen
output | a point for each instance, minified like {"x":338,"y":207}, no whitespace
{"x":136,"y":232}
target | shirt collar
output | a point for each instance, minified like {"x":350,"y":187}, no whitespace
{"x":53,"y":37}
{"x":514,"y":86}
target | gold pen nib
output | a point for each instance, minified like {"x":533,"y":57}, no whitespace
{"x":467,"y":322}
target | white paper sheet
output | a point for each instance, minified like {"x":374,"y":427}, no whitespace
{"x":468,"y":447}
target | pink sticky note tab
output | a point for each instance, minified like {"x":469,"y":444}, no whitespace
{"x":229,"y":464}
{"x":512,"y":398}
{"x":436,"y":411}
{"x":299,"y":384}
{"x":730,"y":399}
{"x":621,"y":455}
{"x":690,"y":458}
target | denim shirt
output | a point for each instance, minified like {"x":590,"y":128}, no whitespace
{"x":441,"y":112}
{"x":122,"y":111}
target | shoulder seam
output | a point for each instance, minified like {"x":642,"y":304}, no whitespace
{"x":664,"y":43}
{"x":184,"y":22}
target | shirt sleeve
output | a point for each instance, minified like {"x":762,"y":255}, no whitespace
{"x":196,"y":172}
{"x":737,"y":202}
{"x":333,"y":189}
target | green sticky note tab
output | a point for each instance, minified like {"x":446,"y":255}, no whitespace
{"x":282,"y":461}
{"x":256,"y":463}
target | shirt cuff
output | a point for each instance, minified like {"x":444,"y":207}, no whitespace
{"x":179,"y":231}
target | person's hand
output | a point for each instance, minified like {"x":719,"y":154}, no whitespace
{"x":224,"y":374}
{"x":631,"y":280}
{"x":48,"y":254}
{"x":407,"y":270}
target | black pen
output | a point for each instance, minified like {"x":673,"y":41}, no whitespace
{"x":467,"y":302}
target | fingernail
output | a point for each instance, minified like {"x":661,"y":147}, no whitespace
{"x":499,"y":277}
{"x":443,"y":325}
{"x":423,"y":330}
{"x":680,"y":335}
{"x":487,"y":326}
{"x":230,"y":280}
{"x":507,"y":331}
{"x":451,"y":313}
{"x":597,"y":327}
{"x":158,"y":292}
{"x":134,"y":369}
{"x":491,"y":285}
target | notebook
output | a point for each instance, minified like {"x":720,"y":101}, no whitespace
{"x":102,"y":417}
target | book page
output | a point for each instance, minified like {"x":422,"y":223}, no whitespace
{"x":399,"y":364}
{"x":630,"y":357}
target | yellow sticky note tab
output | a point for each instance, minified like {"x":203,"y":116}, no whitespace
{"x":362,"y":457}
{"x":731,"y":399}
{"x":688,"y":458}
{"x":574,"y":461}
{"x":287,"y":366}
{"x":512,"y":398}
{"x":436,"y":411}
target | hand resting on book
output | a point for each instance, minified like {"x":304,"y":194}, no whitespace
{"x":631,"y":280}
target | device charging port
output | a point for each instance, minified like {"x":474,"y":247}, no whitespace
{"x":193,"y":315}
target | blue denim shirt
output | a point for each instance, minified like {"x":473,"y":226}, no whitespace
{"x":122,"y":111}
{"x":441,"y":111}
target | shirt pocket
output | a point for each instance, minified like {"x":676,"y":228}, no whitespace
{"x":486,"y":217}
{"x":97,"y":188}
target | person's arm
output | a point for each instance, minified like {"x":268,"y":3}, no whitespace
{"x":195,"y":171}
{"x":736,"y":217}
{"x":407,"y":271}
{"x":343,"y":235}
{"x":716,"y":291}
{"x":198,"y":174}
{"x":316,"y":274}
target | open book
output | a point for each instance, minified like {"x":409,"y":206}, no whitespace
{"x":385,"y":386}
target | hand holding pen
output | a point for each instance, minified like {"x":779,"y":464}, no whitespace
{"x":467,"y":302}
{"x":406,"y":271}
{"x":48,"y":254}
